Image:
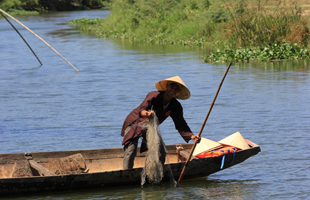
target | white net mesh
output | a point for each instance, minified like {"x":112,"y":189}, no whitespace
{"x":153,"y":170}
{"x":155,"y":156}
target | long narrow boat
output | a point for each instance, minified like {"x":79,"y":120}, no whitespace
{"x":22,"y":173}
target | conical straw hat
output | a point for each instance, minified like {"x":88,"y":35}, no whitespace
{"x":205,"y":145}
{"x":183,"y":94}
{"x":235,"y":140}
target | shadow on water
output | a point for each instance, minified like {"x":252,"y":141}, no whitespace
{"x":278,"y":70}
{"x":63,"y":32}
{"x":148,"y":48}
{"x":277,"y":66}
{"x":200,"y":188}
{"x":272,"y":66}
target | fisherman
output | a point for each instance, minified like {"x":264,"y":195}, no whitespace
{"x":163,"y":102}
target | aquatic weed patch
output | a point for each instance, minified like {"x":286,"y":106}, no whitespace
{"x":86,"y":24}
{"x":85,"y":20}
{"x":271,"y":52}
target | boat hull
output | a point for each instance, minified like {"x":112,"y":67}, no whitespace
{"x":195,"y":168}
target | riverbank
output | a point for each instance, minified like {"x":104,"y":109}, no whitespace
{"x":233,"y":30}
{"x":215,"y":24}
{"x":34,"y":7}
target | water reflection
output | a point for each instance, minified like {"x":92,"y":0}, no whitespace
{"x":63,"y":32}
{"x":194,"y":189}
{"x":277,"y":66}
{"x":147,"y":48}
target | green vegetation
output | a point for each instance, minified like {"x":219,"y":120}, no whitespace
{"x":233,"y":29}
{"x":162,"y":21}
{"x":276,"y":51}
{"x":227,"y":25}
{"x":30,"y":7}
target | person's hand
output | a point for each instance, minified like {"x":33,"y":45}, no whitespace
{"x":196,"y":138}
{"x":147,"y":114}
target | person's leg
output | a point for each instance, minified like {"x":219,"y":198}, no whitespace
{"x":163,"y":153}
{"x":130,"y":153}
{"x":144,"y":142}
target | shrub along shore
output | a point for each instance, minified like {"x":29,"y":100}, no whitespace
{"x":234,"y":30}
{"x":32,"y":7}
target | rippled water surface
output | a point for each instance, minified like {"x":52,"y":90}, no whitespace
{"x":52,"y":107}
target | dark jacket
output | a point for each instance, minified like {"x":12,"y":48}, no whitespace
{"x":155,"y":101}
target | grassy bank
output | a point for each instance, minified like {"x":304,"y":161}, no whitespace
{"x":223,"y":24}
{"x":31,"y":7}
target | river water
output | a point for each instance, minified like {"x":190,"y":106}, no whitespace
{"x":52,"y":107}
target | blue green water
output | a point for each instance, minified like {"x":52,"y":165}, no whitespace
{"x":52,"y":107}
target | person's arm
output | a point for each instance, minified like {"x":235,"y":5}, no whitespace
{"x":145,"y":106}
{"x":181,"y":124}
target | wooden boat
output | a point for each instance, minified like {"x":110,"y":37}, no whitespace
{"x":22,"y":173}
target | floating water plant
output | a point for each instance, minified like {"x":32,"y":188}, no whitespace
{"x":275,"y":51}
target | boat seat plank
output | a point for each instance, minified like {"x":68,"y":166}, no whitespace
{"x":185,"y":155}
{"x":42,"y":170}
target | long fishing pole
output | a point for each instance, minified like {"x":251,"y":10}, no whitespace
{"x":39,"y":38}
{"x":204,"y":122}
{"x":21,"y":36}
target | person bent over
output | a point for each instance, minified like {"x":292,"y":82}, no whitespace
{"x":164,"y":103}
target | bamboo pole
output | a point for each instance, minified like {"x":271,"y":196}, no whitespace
{"x":21,"y":36}
{"x":204,"y":122}
{"x":39,"y":38}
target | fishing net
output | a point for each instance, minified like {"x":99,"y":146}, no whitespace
{"x":21,"y":168}
{"x":74,"y":164}
{"x":153,"y":171}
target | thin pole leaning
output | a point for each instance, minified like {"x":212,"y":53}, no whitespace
{"x":39,"y":38}
{"x":204,"y":122}
{"x":21,"y":36}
